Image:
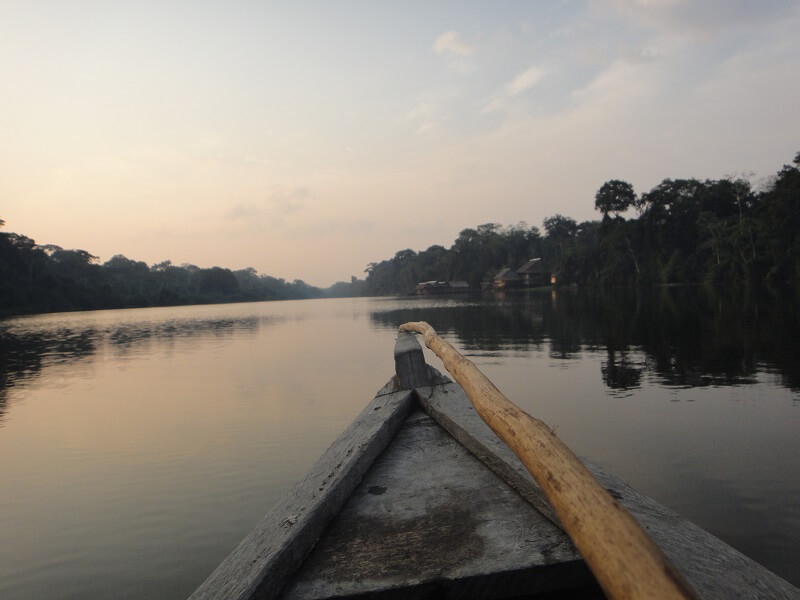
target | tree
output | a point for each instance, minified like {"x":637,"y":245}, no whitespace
{"x":161,"y":267}
{"x":248,"y":280}
{"x":122,"y":265}
{"x":560,"y":228}
{"x":614,"y":196}
{"x":77,"y":258}
{"x":778,"y":219}
{"x":217,"y":280}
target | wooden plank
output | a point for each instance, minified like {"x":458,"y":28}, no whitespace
{"x":716,"y":570}
{"x":271,"y":553}
{"x":409,"y":361}
{"x":448,"y":405}
{"x":429,"y":520}
{"x":624,"y":559}
{"x":390,"y":387}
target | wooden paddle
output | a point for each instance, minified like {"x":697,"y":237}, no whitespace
{"x":625,"y":561}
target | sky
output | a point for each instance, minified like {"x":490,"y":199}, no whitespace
{"x":308,"y":139}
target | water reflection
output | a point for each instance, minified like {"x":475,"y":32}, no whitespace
{"x":620,"y":372}
{"x":681,"y":336}
{"x":165,"y":434}
{"x":701,"y":391}
{"x":28,"y":346}
{"x":124,"y":338}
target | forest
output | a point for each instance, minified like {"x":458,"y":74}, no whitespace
{"x":685,"y":231}
{"x":47,"y":278}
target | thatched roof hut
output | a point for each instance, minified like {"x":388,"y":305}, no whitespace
{"x":535,"y":272}
{"x":506,"y":278}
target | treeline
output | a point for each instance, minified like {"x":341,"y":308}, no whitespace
{"x":45,"y":278}
{"x":686,"y":231}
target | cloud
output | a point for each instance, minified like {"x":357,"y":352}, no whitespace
{"x":266,"y":162}
{"x":422,"y":110}
{"x":242,"y":211}
{"x":451,"y":42}
{"x":704,"y":17}
{"x":423,"y":116}
{"x":622,"y":84}
{"x":506,"y":101}
{"x":332,"y":228}
{"x":495,"y":105}
{"x":428,"y":128}
{"x":525,"y":80}
{"x":278,"y":204}
{"x":289,"y":202}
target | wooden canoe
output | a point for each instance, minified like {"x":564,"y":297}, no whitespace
{"x":418,"y":498}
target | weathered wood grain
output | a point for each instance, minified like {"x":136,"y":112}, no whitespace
{"x":271,"y":553}
{"x":429,"y":520}
{"x":623,"y":558}
{"x":448,"y":405}
{"x":716,"y":570}
{"x":409,"y":361}
{"x":420,"y":525}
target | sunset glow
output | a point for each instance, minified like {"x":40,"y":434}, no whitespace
{"x":307,"y":140}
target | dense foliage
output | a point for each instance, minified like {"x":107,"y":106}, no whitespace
{"x":686,"y":231}
{"x":36,"y":278}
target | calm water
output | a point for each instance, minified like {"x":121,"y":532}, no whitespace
{"x":138,"y":447}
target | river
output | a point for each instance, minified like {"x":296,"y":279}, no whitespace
{"x":137,"y":447}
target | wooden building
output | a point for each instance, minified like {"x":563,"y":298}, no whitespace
{"x":425,"y":288}
{"x":535,"y":273}
{"x":507,"y":278}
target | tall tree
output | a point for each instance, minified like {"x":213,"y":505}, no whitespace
{"x":560,"y":227}
{"x":614,"y":196}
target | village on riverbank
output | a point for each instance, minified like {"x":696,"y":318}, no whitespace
{"x":534,"y":273}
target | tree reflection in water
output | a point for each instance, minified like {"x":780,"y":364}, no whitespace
{"x":26,"y":352}
{"x":688,"y":336}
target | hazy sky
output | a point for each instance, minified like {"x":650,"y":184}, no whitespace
{"x":307,"y":139}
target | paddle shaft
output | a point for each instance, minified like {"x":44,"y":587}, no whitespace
{"x":625,"y":561}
